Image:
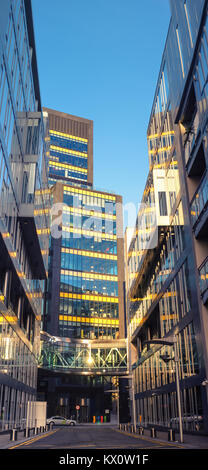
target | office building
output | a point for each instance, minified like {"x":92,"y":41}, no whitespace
{"x":166,"y":260}
{"x":85,"y":295}
{"x":24,"y":199}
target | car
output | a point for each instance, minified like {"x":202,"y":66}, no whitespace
{"x":188,"y":419}
{"x":60,"y":420}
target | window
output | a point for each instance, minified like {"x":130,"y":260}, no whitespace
{"x":162,"y":203}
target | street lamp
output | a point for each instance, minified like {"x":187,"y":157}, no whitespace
{"x":172,"y":341}
{"x":131,"y":389}
{"x":130,"y":374}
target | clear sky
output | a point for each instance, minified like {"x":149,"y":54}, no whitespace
{"x":100,"y":59}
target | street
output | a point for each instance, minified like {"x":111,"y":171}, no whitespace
{"x":92,"y":446}
{"x":92,"y":437}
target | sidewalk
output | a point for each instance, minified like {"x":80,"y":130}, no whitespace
{"x":195,"y":441}
{"x":6,"y":442}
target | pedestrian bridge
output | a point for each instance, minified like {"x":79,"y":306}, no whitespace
{"x":104,"y":357}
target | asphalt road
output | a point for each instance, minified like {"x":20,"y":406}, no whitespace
{"x":92,"y":437}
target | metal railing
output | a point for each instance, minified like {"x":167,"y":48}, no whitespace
{"x":203,"y":276}
{"x":199,"y":203}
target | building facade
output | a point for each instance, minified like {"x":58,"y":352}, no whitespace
{"x":23,"y":223}
{"x":71,"y":148}
{"x":85,"y":294}
{"x":166,"y":260}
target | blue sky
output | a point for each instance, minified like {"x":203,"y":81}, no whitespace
{"x":100,"y":59}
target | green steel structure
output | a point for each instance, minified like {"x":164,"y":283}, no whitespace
{"x":62,"y":354}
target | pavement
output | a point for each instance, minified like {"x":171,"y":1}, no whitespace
{"x":190,"y":441}
{"x":195,"y":441}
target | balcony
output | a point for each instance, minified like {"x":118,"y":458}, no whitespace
{"x":203,"y":281}
{"x":32,"y":142}
{"x":199,"y":209}
{"x":192,"y":147}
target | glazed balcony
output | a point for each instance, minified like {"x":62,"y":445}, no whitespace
{"x":199,"y":209}
{"x":32,"y":142}
{"x":193,"y":149}
{"x":203,"y":281}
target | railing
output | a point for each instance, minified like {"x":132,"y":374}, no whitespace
{"x":203,"y":277}
{"x":200,"y":200}
{"x":191,"y":138}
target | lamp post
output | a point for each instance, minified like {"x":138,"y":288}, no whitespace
{"x":172,"y":341}
{"x":131,"y":389}
{"x":130,"y":372}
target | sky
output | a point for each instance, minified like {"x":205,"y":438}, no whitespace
{"x":100,"y":60}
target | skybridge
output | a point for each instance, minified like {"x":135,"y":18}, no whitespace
{"x":91,"y":357}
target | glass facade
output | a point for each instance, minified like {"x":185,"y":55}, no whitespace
{"x":68,"y":156}
{"x":23,"y":207}
{"x":87,"y":280}
{"x":165,"y":266}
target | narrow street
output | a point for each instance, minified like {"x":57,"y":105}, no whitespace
{"x":90,"y":437}
{"x":93,"y":446}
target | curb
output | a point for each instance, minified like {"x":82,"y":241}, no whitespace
{"x":159,"y":441}
{"x":13,"y":444}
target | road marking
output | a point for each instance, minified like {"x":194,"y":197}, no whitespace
{"x":26,"y":443}
{"x":150,"y":440}
{"x":80,"y":446}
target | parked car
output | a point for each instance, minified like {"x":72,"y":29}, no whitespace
{"x":187,"y":419}
{"x":194,"y":422}
{"x":60,"y":420}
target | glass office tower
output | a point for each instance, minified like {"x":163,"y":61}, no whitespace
{"x":166,"y":260}
{"x":84,"y":312}
{"x":23,"y":223}
{"x":86,"y":258}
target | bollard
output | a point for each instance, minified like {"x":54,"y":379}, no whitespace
{"x":141,"y":431}
{"x":171,"y":435}
{"x":153,"y":432}
{"x":13,"y":435}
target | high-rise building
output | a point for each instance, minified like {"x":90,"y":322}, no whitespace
{"x":86,"y":258}
{"x":85,"y":294}
{"x":166,"y":259}
{"x":71,"y":148}
{"x":24,"y":199}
